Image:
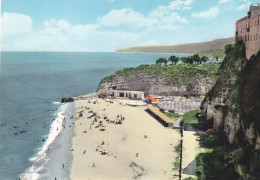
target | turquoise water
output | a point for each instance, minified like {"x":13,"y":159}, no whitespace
{"x":31,"y":83}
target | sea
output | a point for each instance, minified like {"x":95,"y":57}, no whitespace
{"x":35,"y":128}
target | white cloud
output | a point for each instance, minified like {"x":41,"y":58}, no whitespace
{"x":209,"y":14}
{"x":224,"y":1}
{"x":128,"y":17}
{"x":13,"y":23}
{"x":59,"y":35}
{"x":118,"y":28}
{"x":244,"y":6}
{"x":121,"y":17}
{"x":178,"y":4}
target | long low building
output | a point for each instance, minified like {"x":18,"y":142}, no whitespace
{"x":166,"y":121}
{"x":127,"y":94}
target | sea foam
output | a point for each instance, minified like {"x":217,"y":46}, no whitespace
{"x":40,"y":159}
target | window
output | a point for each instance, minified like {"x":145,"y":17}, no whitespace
{"x":121,"y":95}
{"x":135,"y":95}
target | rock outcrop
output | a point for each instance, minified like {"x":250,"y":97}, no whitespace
{"x":157,"y":85}
{"x":72,"y":99}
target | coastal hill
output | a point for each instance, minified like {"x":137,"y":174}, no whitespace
{"x":190,"y":48}
{"x":159,"y":80}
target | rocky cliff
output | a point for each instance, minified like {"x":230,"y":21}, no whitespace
{"x":233,"y":104}
{"x":179,"y":80}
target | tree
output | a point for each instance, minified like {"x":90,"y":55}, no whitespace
{"x":196,"y":58}
{"x":164,"y":60}
{"x":161,"y":60}
{"x":228,"y":48}
{"x":204,"y":59}
{"x":176,"y":60}
{"x":173,"y":59}
{"x":158,"y":61}
{"x":184,"y":59}
{"x":189,"y":60}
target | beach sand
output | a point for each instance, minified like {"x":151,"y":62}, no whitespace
{"x":140,"y":148}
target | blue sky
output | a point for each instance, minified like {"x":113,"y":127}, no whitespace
{"x":106,"y":25}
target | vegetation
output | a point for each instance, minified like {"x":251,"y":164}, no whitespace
{"x":188,"y":60}
{"x":181,"y":73}
{"x":191,"y":117}
{"x":173,"y":116}
{"x":240,"y":160}
{"x":176,"y":162}
{"x":216,"y":164}
{"x":218,"y":53}
{"x":160,"y":61}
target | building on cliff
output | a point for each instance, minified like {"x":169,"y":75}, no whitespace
{"x":248,"y":31}
{"x":127,"y":94}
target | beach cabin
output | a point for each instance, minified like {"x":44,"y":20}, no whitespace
{"x":123,"y":94}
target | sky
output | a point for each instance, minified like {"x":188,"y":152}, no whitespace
{"x":106,"y":25}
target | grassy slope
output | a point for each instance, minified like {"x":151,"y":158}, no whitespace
{"x":180,"y":73}
{"x":190,"y":117}
{"x":213,"y":53}
{"x":191,"y":48}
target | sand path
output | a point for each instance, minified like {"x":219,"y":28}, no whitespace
{"x":140,"y":133}
{"x":190,"y":149}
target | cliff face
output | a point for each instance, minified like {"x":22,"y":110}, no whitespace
{"x":161,"y":80}
{"x":157,"y":85}
{"x":233,"y":104}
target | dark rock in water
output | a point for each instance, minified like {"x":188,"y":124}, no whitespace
{"x":64,"y":100}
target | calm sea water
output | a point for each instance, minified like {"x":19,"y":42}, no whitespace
{"x":31,"y":83}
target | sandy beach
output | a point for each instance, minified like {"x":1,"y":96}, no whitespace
{"x":138,"y":148}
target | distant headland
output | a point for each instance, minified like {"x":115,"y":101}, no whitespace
{"x":189,"y":48}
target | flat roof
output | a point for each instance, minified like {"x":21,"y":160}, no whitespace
{"x":127,"y":91}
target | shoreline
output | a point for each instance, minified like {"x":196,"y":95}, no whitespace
{"x":54,"y":158}
{"x":140,"y":147}
{"x":59,"y":155}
